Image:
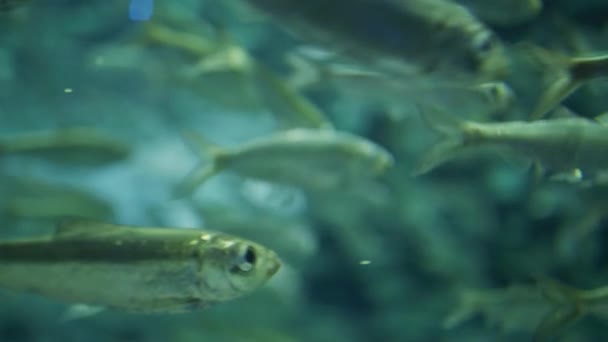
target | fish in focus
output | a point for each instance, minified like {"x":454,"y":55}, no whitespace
{"x":504,"y":12}
{"x":136,"y":269}
{"x":313,"y":159}
{"x":425,"y":35}
{"x":563,"y":145}
{"x":571,"y":73}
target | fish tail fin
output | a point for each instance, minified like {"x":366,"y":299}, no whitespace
{"x":451,"y":129}
{"x":568,"y":307}
{"x":554,"y":63}
{"x":470,"y":302}
{"x":205,"y":169}
{"x":554,"y":94}
{"x":304,"y":73}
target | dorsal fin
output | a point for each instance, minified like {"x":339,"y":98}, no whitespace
{"x":81,"y":227}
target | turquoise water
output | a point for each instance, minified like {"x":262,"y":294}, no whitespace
{"x":381,"y":258}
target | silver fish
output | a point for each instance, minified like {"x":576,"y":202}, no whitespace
{"x":570,"y":74}
{"x":504,"y":12}
{"x":259,"y":84}
{"x":147,"y":270}
{"x":369,"y":86}
{"x":427,"y":35}
{"x":74,"y":145}
{"x":317,"y":159}
{"x":562,"y":144}
{"x":546,"y":308}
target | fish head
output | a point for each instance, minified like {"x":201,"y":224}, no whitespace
{"x":486,"y":56}
{"x":498,"y":95}
{"x":235,"y":267}
{"x":374,"y":157}
{"x":383,"y":161}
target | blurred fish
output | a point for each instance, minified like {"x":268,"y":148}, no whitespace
{"x":571,"y":73}
{"x":426,"y":35}
{"x":546,"y":308}
{"x":504,"y":12}
{"x":317,"y":159}
{"x":86,"y":146}
{"x":69,"y":202}
{"x":362,"y":84}
{"x":146,"y":270}
{"x":565,"y":144}
{"x":518,"y":307}
{"x":291,"y":108}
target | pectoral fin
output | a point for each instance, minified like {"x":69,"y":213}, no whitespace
{"x":451,"y":145}
{"x":555,"y":93}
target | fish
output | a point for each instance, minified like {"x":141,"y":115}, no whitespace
{"x":289,"y":106}
{"x":73,"y":145}
{"x":369,"y":86}
{"x":548,"y":307}
{"x":52,"y":205}
{"x":570,"y":144}
{"x":545,"y":308}
{"x":135,"y":269}
{"x":310,"y":158}
{"x":570,"y":74}
{"x":504,"y":13}
{"x":425,"y":36}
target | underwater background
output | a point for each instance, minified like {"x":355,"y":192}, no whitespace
{"x":454,"y":254}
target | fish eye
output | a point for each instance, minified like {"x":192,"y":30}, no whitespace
{"x":246,"y":259}
{"x":250,"y":255}
{"x":484,"y":44}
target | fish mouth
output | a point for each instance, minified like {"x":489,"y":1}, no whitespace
{"x":274,"y":267}
{"x":383,"y":164}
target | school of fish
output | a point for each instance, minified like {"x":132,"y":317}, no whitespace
{"x":441,"y":57}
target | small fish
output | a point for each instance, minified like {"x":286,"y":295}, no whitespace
{"x":426,"y":35}
{"x":546,"y":308}
{"x":76,"y":145}
{"x":318,"y":159}
{"x":291,"y":108}
{"x":504,"y":12}
{"x":570,"y":304}
{"x":571,"y":73}
{"x":136,"y":269}
{"x":562,"y":144}
{"x":369,"y":86}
